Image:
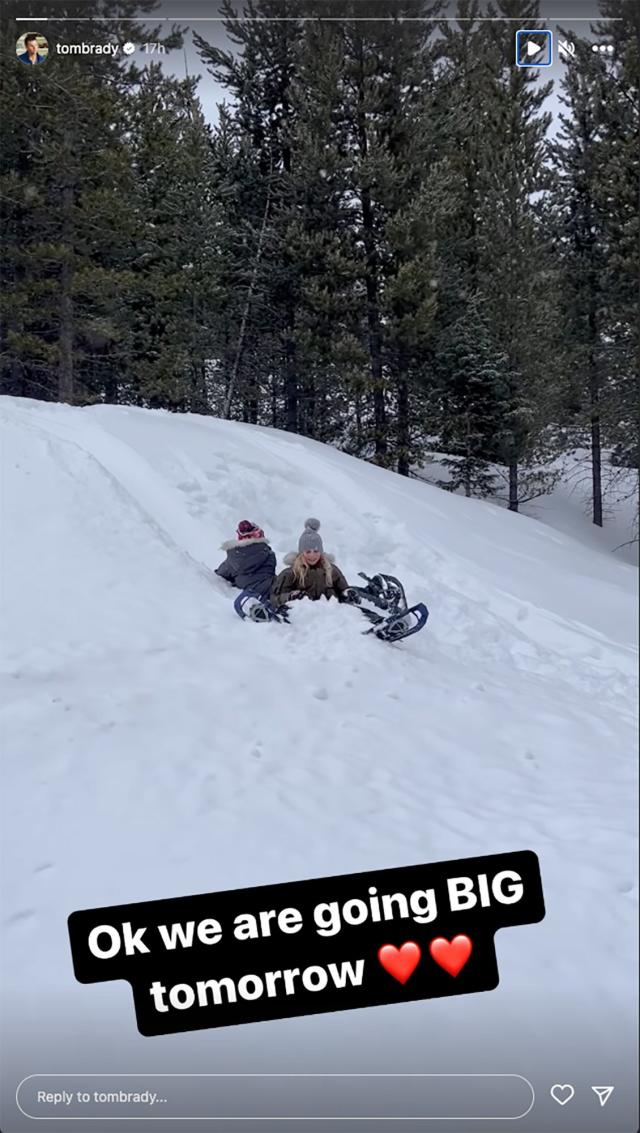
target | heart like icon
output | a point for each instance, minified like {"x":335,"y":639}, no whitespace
{"x":400,"y":962}
{"x":451,"y":955}
{"x":562,"y":1094}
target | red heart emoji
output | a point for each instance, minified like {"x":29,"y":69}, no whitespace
{"x":400,"y":962}
{"x":451,"y":955}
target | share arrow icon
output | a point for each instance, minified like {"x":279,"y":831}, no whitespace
{"x":603,"y":1093}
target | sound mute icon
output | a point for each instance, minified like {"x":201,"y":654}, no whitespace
{"x":603,"y":1093}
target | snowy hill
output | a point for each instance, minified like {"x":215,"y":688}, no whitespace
{"x":157,"y":746}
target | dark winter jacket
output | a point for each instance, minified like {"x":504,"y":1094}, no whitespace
{"x":249,"y":563}
{"x":315,"y":585}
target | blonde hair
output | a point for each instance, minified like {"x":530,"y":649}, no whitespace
{"x":301,"y":569}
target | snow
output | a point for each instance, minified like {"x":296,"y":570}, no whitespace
{"x":567,"y":507}
{"x":155,"y":745}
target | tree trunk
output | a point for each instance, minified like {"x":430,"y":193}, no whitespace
{"x":596,"y":458}
{"x":17,"y":382}
{"x":375,"y":333}
{"x":358,"y":415}
{"x":594,"y":399}
{"x":308,"y":415}
{"x":513,"y":484}
{"x":274,"y":402}
{"x":467,"y":462}
{"x":65,"y":337}
{"x":198,"y":399}
{"x":404,"y":441}
{"x":247,"y":306}
{"x":290,"y":376}
{"x":111,"y":390}
{"x":373,"y":300}
{"x":321,"y":417}
{"x":291,"y":408}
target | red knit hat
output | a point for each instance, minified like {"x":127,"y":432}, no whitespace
{"x":249,"y":530}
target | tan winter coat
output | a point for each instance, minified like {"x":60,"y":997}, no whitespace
{"x":315,"y":584}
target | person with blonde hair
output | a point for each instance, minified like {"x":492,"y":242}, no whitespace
{"x":311,"y":573}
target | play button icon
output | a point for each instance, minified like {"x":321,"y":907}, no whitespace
{"x":534,"y":48}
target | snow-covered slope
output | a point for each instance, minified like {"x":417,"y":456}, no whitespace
{"x":567,"y":508}
{"x":157,"y":746}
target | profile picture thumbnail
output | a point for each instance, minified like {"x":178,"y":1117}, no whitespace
{"x":32,"y":48}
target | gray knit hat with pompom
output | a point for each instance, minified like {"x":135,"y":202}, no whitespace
{"x":310,"y":539}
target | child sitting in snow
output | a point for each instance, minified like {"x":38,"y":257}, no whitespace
{"x":311,"y":573}
{"x":250,"y":563}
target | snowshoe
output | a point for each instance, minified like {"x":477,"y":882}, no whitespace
{"x":386,"y":593}
{"x":399,"y":625}
{"x":383,"y":590}
{"x":249,"y":607}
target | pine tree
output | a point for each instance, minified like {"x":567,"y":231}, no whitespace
{"x":617,"y":191}
{"x":458,"y":185}
{"x":175,"y":257}
{"x":259,"y":77}
{"x":66,"y":181}
{"x":386,"y":86}
{"x":471,"y":400}
{"x":582,"y":251}
{"x":515,"y":254}
{"x":358,"y":228}
{"x":598,"y":184}
{"x":322,"y":242}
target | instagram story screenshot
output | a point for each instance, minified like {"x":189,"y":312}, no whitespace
{"x":319,"y":450}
